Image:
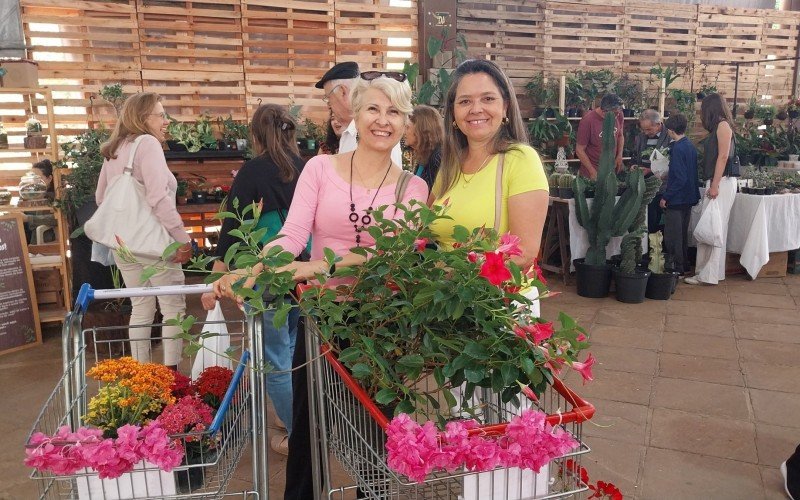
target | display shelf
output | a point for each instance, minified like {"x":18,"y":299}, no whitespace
{"x":51,"y":315}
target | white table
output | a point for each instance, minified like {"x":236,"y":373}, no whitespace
{"x":579,"y":238}
{"x":759,"y":225}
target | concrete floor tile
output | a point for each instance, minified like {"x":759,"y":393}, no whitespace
{"x":686,"y":476}
{"x":698,"y":309}
{"x":620,"y":318}
{"x":794,"y":290}
{"x":626,"y":359}
{"x":625,"y":337}
{"x":716,"y":294}
{"x":772,"y":377}
{"x":757,"y":286}
{"x":615,"y":462}
{"x":787,"y":334}
{"x":775,"y":443}
{"x":776,"y":408}
{"x":701,"y":398}
{"x":616,"y":386}
{"x":766,"y":315}
{"x":583,"y":315}
{"x":646,"y":307}
{"x":715,"y":436}
{"x":769,"y":353}
{"x":700,"y":345}
{"x":700,"y":368}
{"x":759,"y":300}
{"x":617,"y":421}
{"x":772,"y":480}
{"x":703,"y":326}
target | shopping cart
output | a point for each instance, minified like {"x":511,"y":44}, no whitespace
{"x":350,"y":428}
{"x":239,"y":425}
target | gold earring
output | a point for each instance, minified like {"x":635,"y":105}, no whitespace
{"x":455,"y":125}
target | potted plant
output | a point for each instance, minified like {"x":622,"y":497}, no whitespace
{"x":782,"y":114}
{"x":752,"y":106}
{"x":199,"y":190}
{"x":542,"y":93}
{"x":314,"y":134}
{"x":553,"y":183}
{"x":793,"y":108}
{"x":565,"y":186}
{"x":112,"y":93}
{"x":235,"y":134}
{"x":684,"y":102}
{"x":661,"y":283}
{"x":34,"y":138}
{"x":630,"y":91}
{"x":541,"y":132}
{"x":706,"y":89}
{"x":631,"y":281}
{"x":205,"y":133}
{"x":607,"y":216}
{"x":574,"y":99}
{"x":765,"y":113}
{"x":181,"y":191}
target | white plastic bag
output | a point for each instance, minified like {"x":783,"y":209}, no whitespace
{"x":709,"y":227}
{"x":659,"y":164}
{"x":102,"y":254}
{"x":213,"y":348}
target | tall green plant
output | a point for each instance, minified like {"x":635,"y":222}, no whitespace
{"x":434,"y":89}
{"x":631,"y":246}
{"x":607,"y":217}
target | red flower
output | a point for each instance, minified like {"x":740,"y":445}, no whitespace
{"x":494,"y":268}
{"x":541,"y":331}
{"x":419,"y":244}
{"x":472,"y":257}
{"x":509,"y":244}
{"x":182,"y":386}
{"x":212,"y":384}
{"x":536,"y":272}
{"x":585,"y":368}
{"x":528,"y":392}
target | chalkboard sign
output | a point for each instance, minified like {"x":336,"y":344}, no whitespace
{"x":19,"y":316}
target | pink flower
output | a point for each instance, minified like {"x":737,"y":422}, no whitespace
{"x":472,"y":257}
{"x":540,"y":331}
{"x":581,"y":338}
{"x":528,"y":392}
{"x":494,"y":268}
{"x":520,"y":332}
{"x":585,"y":368}
{"x":420,"y":243}
{"x":536,"y":272}
{"x":509,"y":245}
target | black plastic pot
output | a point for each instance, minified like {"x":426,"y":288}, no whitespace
{"x":589,"y":193}
{"x":701,"y":96}
{"x":550,"y":113}
{"x":749,"y":115}
{"x":794,"y":114}
{"x":199,"y":197}
{"x":566,"y":193}
{"x":782,"y":115}
{"x":660,"y":286}
{"x":767,"y":121}
{"x":593,"y":281}
{"x":537,"y":111}
{"x":631,"y":287}
{"x":175,"y":146}
{"x":627,"y":113}
{"x":554,"y":192}
{"x":758,"y":191}
{"x":769,"y":190}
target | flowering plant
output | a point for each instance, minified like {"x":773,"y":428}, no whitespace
{"x":212,"y":384}
{"x":133,"y":393}
{"x":67,"y":452}
{"x":529,"y":441}
{"x":601,"y":489}
{"x":188,"y":418}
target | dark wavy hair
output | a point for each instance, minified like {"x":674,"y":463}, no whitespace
{"x":273,"y":131}
{"x":714,"y":110}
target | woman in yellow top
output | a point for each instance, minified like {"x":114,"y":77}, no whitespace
{"x":482,"y":125}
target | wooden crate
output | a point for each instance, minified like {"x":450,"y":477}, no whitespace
{"x":288,"y":46}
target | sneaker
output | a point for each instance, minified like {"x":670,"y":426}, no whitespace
{"x":692,"y":280}
{"x":785,"y":480}
{"x":280,"y":444}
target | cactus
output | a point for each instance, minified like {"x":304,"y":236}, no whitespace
{"x":566,"y":180}
{"x":607,"y":218}
{"x":553,"y":179}
{"x":656,"y":255}
{"x":631,"y":246}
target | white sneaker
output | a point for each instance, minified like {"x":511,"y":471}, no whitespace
{"x":785,"y":481}
{"x":692,"y":280}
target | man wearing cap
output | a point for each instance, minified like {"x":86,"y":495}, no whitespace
{"x":590,"y":136}
{"x":337,"y":83}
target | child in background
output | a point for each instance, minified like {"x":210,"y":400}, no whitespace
{"x":681,"y":193}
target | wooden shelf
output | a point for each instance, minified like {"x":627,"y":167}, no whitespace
{"x":48,"y":315}
{"x":15,"y":148}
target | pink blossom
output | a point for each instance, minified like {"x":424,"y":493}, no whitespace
{"x":528,"y":392}
{"x":585,"y":368}
{"x":581,"y":338}
{"x":420,"y":243}
{"x":520,"y":332}
{"x":472,"y":257}
{"x":509,"y":245}
{"x":540,"y":331}
{"x":494,"y":268}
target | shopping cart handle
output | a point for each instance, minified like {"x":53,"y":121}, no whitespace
{"x":226,"y":400}
{"x":87,"y":294}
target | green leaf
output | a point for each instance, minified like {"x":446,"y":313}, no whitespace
{"x":449,"y":398}
{"x":225,"y":215}
{"x":77,"y":232}
{"x":350,"y":354}
{"x":361,"y":371}
{"x":434,"y":46}
{"x":438,"y":376}
{"x":147,"y":273}
{"x":461,"y":234}
{"x":510,"y":373}
{"x":385,"y":396}
{"x":171,"y":249}
{"x":476,"y":350}
{"x":475,"y":375}
{"x":411,"y":361}
{"x":281,"y":314}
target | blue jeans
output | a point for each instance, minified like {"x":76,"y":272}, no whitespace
{"x":278,"y":351}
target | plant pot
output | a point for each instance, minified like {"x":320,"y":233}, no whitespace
{"x":749,"y":115}
{"x":193,"y":478}
{"x":794,"y":157}
{"x":241,"y":144}
{"x":593,"y":281}
{"x":631,"y":287}
{"x":782,"y":115}
{"x":181,"y":200}
{"x":199,"y":197}
{"x":700,"y":96}
{"x":35,"y":141}
{"x":758,"y":191}
{"x":175,"y":146}
{"x":563,"y":141}
{"x":550,"y":113}
{"x":627,"y":113}
{"x":744,"y":190}
{"x":537,"y":111}
{"x":589,"y":194}
{"x":794,"y":114}
{"x":554,"y":192}
{"x":572,"y":113}
{"x":769,"y":190}
{"x":566,"y":193}
{"x":767,"y":121}
{"x":660,"y":286}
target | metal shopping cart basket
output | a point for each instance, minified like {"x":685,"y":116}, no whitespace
{"x":350,"y":428}
{"x":239,"y":424}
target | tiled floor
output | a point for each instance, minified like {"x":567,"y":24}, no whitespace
{"x":696,"y":397}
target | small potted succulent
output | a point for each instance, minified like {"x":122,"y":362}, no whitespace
{"x":553,"y":182}
{"x":34,"y":138}
{"x":565,"y":182}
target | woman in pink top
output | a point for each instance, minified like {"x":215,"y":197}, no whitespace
{"x":332,"y":204}
{"x":143,"y":115}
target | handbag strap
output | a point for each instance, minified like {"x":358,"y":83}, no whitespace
{"x":498,"y":194}
{"x":402,"y":185}
{"x":129,"y":167}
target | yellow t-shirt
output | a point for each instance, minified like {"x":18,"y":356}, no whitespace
{"x":472,"y":204}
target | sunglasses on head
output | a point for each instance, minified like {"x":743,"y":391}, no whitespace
{"x":394,"y":75}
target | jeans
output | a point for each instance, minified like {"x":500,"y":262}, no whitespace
{"x":278,"y":351}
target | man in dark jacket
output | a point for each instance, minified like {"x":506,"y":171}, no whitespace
{"x":681,"y":193}
{"x":653,"y":135}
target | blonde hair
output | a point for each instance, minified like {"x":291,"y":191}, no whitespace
{"x":399,"y":93}
{"x":510,"y":134}
{"x":132,"y":122}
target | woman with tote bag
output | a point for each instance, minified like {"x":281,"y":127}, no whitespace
{"x":140,"y":130}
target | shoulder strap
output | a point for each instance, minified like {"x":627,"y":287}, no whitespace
{"x":129,"y":167}
{"x":402,"y":185}
{"x":498,"y":195}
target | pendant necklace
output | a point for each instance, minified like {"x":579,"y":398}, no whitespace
{"x":365,"y":219}
{"x":472,"y":175}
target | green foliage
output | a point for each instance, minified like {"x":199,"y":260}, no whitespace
{"x":313,"y":130}
{"x":232,"y":130}
{"x":684,"y":102}
{"x":553,"y":179}
{"x":595,"y":84}
{"x":669,"y":73}
{"x":195,"y":136}
{"x":631,"y":246}
{"x":574,"y":91}
{"x":542,"y":93}
{"x":183,"y":186}
{"x":112,"y":93}
{"x":566,"y":180}
{"x":765,"y":112}
{"x":631,"y":92}
{"x":435,"y":88}
{"x":607,"y":217}
{"x":83,"y":159}
{"x":543,"y":133}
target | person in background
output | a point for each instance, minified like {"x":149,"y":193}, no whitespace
{"x":269,"y":179}
{"x":681,"y":193}
{"x":338,"y":83}
{"x":483,"y":125}
{"x":143,"y":115}
{"x":334,"y":196}
{"x":34,"y":219}
{"x":332,"y":135}
{"x":424,"y":136}
{"x":653,"y":135}
{"x":590,"y":130}
{"x":790,"y":470}
{"x":720,"y":185}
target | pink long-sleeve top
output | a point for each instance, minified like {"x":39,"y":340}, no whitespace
{"x":150,"y":168}
{"x":321,"y":207}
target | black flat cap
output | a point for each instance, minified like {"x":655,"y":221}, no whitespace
{"x":342,"y":71}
